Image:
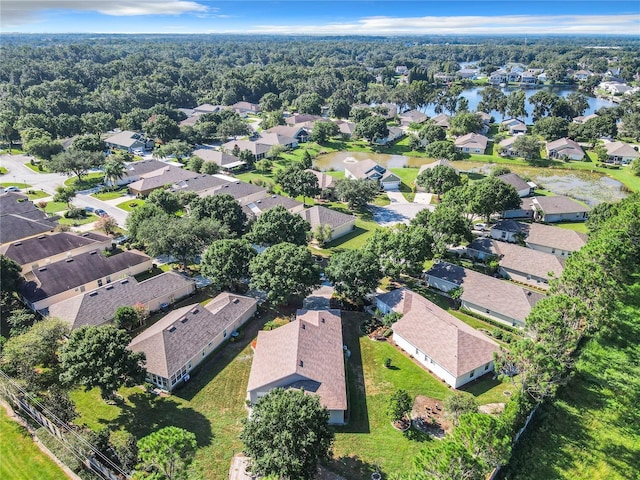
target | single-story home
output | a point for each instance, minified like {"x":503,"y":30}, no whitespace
{"x":555,"y":240}
{"x":482,"y":249}
{"x":245,"y":107}
{"x":471,"y":143}
{"x":442,"y":162}
{"x":208,"y":108}
{"x":341,"y":223}
{"x":446,"y":346}
{"x":507,"y":147}
{"x":524,"y":211}
{"x":526,"y":265}
{"x":582,"y":119}
{"x":258,"y":149}
{"x":243,"y":192}
{"x":394,"y":134}
{"x":257,"y":208}
{"x":620,"y":153}
{"x":64,"y":279}
{"x":499,"y":300}
{"x":509,"y":230}
{"x":298,"y":118}
{"x":35,"y":252}
{"x":347,"y":129}
{"x":325,"y":182}
{"x":99,"y":306}
{"x":272,"y":139}
{"x":558,"y":209}
{"x":181,"y":340}
{"x":168,"y":175}
{"x":524,"y":189}
{"x":199,"y":184}
{"x":514,"y":126}
{"x":370,"y":170}
{"x":225,"y":160}
{"x":412,"y":116}
{"x":442,"y":120}
{"x":306,"y":354}
{"x":21,"y":219}
{"x":134,"y":170}
{"x":300,"y":133}
{"x":129,"y":141}
{"x":564,"y":148}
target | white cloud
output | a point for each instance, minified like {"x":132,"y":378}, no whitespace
{"x":18,"y":12}
{"x":468,"y":25}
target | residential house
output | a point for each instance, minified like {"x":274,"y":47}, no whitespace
{"x":272,"y":139}
{"x":298,"y":118}
{"x":34,"y":252}
{"x":190,"y":121}
{"x":442,"y":162}
{"x":529,"y":77}
{"x":482,"y":249}
{"x":620,"y":153}
{"x":129,"y":141}
{"x":225,"y":160}
{"x":370,"y":170}
{"x":524,"y":189}
{"x":558,"y":209}
{"x":509,"y":231}
{"x":306,"y":354}
{"x":485,"y":117}
{"x":499,"y":300}
{"x":582,"y":119}
{"x":168,"y":175}
{"x":395,"y":133}
{"x":325,"y":182}
{"x":444,"y":77}
{"x":301,"y":133}
{"x":21,"y":219}
{"x":242,"y":108}
{"x":468,"y":73}
{"x":402,"y":70}
{"x":582,"y":75}
{"x":208,"y":108}
{"x":341,"y":223}
{"x":412,"y":116}
{"x":507,"y":147}
{"x":555,"y":240}
{"x":347,"y":129}
{"x":257,"y":208}
{"x":99,"y":306}
{"x":181,"y":340}
{"x":564,"y":148}
{"x":446,"y":346}
{"x":259,"y":149}
{"x":499,"y":76}
{"x":199,"y":184}
{"x":514,"y":126}
{"x":471,"y":143}
{"x":524,"y":211}
{"x":442,"y":120}
{"x":527,"y":266}
{"x":63,"y":279}
{"x":514,"y":76}
{"x":134,"y":170}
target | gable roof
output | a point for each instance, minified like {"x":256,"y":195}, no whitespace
{"x":236,"y":189}
{"x":291,"y":131}
{"x":559,"y":205}
{"x":256,"y":147}
{"x":216,"y":156}
{"x":171,"y":342}
{"x":126,"y":138}
{"x":621,"y":149}
{"x":454,"y":345}
{"x":414,"y":116}
{"x":499,"y":296}
{"x":484,"y":245}
{"x":324,"y":181}
{"x":508,"y":225}
{"x":167,"y":175}
{"x":318,"y":215}
{"x":366,"y":169}
{"x":441,"y":120}
{"x":79,"y":270}
{"x":555,"y":237}
{"x":472,"y":139}
{"x":143,"y":167}
{"x":44,"y":246}
{"x":515,"y":181}
{"x":527,"y":260}
{"x":268,"y":202}
{"x":20,"y":218}
{"x":199,"y":183}
{"x":99,"y":306}
{"x":276,"y":139}
{"x":564,"y":145}
{"x":443,"y":161}
{"x":309,"y":350}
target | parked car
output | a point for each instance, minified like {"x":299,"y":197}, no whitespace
{"x":100,"y":212}
{"x":11,"y":189}
{"x":89,"y":209}
{"x":480,"y":226}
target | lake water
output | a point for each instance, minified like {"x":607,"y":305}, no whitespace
{"x":474,"y":98}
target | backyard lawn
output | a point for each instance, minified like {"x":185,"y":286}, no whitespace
{"x":74,"y":222}
{"x":129,"y":205}
{"x":20,"y":458}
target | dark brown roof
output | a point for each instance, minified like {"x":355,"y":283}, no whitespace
{"x":171,"y":342}
{"x":99,"y":306}
{"x":307,"y":350}
{"x":79,"y":270}
{"x":44,"y":246}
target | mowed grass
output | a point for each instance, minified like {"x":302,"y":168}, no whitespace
{"x":131,"y":204}
{"x":20,"y":458}
{"x":111,"y":194}
{"x":592,"y":429}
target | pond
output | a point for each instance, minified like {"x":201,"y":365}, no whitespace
{"x":590,"y":187}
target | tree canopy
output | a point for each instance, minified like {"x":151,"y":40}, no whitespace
{"x":168,"y":451}
{"x":356,"y":193}
{"x":439,"y":179}
{"x":278,"y":225}
{"x":226,"y":263}
{"x":354,"y":273}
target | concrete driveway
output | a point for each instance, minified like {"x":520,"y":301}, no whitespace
{"x":396,"y":197}
{"x":320,"y":299}
{"x":397,"y":213}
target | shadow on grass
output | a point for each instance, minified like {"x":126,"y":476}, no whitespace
{"x":352,"y":467}
{"x":416,"y":435}
{"x":481,"y":385}
{"x":357,"y":231}
{"x":150,"y":413}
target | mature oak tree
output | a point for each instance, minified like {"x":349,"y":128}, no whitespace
{"x":287,"y":435}
{"x":223,"y":208}
{"x":356,"y":193}
{"x":76,"y":162}
{"x":226,"y":263}
{"x":439,"y":179}
{"x":278,"y":225}
{"x":354,"y":273}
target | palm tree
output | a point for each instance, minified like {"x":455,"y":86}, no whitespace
{"x":114,"y":170}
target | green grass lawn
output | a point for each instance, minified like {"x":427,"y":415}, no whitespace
{"x":111,"y":194}
{"x":129,"y":205}
{"x":38,"y":167}
{"x":55,"y":207}
{"x":577,"y":226}
{"x":591,"y":431}
{"x":20,"y":458}
{"x":37,"y":194}
{"x":15,"y":184}
{"x":88,"y":181}
{"x":75,"y":222}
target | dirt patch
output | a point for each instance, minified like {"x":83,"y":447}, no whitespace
{"x":428,"y":416}
{"x":492,"y":408}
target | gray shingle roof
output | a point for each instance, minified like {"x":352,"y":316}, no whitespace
{"x":324,"y":181}
{"x":484,"y":245}
{"x":508,"y":225}
{"x":99,"y":306}
{"x":366,"y":169}
{"x":555,"y":237}
{"x":67,"y":274}
{"x":216,"y":156}
{"x":198,"y":184}
{"x":319,"y":215}
{"x":167,"y":175}
{"x":143,"y":167}
{"x":171,"y":342}
{"x":528,"y":261}
{"x":16,"y":227}
{"x":454,"y":345}
{"x":559,"y":205}
{"x":44,"y":246}
{"x":515,"y":181}
{"x":307,"y":350}
{"x":447,"y":271}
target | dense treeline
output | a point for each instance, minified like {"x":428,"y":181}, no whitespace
{"x":55,"y":82}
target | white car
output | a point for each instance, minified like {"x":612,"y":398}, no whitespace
{"x":11,"y":189}
{"x":480,"y":226}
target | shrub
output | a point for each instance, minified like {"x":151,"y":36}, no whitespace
{"x":387,"y":362}
{"x":75,"y":213}
{"x":388,"y":332}
{"x":42,"y":205}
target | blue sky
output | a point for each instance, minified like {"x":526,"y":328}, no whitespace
{"x":329,"y":17}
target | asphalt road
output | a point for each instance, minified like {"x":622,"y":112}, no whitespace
{"x":19,"y":173}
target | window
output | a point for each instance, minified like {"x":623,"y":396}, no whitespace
{"x":82,"y":288}
{"x":553,"y":250}
{"x":472,"y":373}
{"x":486,"y":367}
{"x":417,"y":351}
{"x":108,"y":279}
{"x":203,"y":353}
{"x":100,"y":282}
{"x":224,"y":334}
{"x":504,"y":235}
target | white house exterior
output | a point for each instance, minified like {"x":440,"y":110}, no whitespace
{"x":558,"y":209}
{"x":524,"y":189}
{"x":304,"y":354}
{"x":620,"y":152}
{"x":370,"y":170}
{"x":509,"y":231}
{"x":341,"y":223}
{"x":565,"y":148}
{"x":446,"y":346}
{"x":471,"y":143}
{"x":554,"y":240}
{"x":181,"y":340}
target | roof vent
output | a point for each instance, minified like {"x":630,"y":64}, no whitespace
{"x":322,"y":319}
{"x":172,"y":328}
{"x":273,"y":196}
{"x":69,"y":260}
{"x":184,"y":320}
{"x":41,"y":237}
{"x":304,"y":327}
{"x":110,"y":287}
{"x":259,"y":201}
{"x":236,"y":300}
{"x":85,"y":234}
{"x":196,"y":311}
{"x":93,"y":294}
{"x":301,"y":363}
{"x":528,"y":293}
{"x":17,"y":244}
{"x":94,"y":252}
{"x":124,"y":281}
{"x":237,"y":183}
